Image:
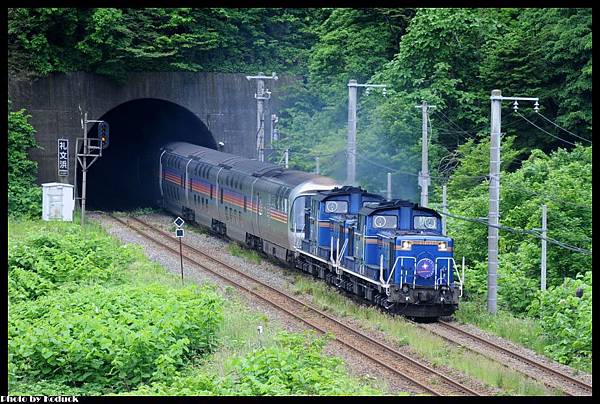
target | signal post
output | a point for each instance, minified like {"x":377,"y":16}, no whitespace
{"x":92,"y":148}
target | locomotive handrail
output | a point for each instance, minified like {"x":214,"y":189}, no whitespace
{"x":331,"y":252}
{"x":435,"y":277}
{"x":448,"y":259}
{"x":415,"y":276}
{"x":439,"y":279}
{"x":386,"y":283}
{"x":460,"y":278}
{"x":341,"y":253}
{"x":401,"y":266}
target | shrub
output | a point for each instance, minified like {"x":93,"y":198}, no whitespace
{"x":40,"y":262}
{"x":115,"y":338}
{"x":24,"y":196}
{"x":295,"y":365}
{"x":567,"y":321}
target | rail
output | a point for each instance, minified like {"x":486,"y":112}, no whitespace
{"x":541,"y":370}
{"x":396,"y":357}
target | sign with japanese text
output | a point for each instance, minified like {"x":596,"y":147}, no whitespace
{"x":63,"y":157}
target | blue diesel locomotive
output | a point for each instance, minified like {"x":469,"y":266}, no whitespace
{"x":391,"y":253}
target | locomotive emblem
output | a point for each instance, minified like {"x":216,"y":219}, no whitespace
{"x":425,"y":268}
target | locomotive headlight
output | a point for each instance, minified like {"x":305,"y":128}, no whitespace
{"x":443,"y":246}
{"x":406,"y":245}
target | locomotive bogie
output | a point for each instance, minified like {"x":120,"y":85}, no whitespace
{"x":391,"y":253}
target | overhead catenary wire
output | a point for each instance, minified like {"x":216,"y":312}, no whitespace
{"x":545,"y":131}
{"x":394,"y":170}
{"x":533,"y":233}
{"x":482,"y":177}
{"x":560,"y":127}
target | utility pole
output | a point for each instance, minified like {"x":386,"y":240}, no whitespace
{"x":389,"y":186}
{"x":444,"y":209}
{"x":317,"y":168}
{"x":88,"y":151}
{"x":494,"y":207}
{"x":424,"y":180}
{"x":544,"y":232}
{"x":351,"y":146}
{"x":261,"y":95}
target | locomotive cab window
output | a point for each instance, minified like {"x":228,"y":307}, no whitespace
{"x":385,"y":221}
{"x":425,"y":223}
{"x":336,"y":207}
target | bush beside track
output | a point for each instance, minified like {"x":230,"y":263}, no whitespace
{"x":89,"y":316}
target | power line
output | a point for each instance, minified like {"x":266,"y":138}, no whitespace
{"x":551,"y":197}
{"x":560,"y":127}
{"x":413,"y":174}
{"x":520,"y":231}
{"x":482,"y":177}
{"x":545,"y":131}
{"x":451,"y":121}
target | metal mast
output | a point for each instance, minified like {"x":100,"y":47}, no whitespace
{"x":261,"y":95}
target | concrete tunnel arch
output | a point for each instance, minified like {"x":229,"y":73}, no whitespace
{"x":126,"y":176}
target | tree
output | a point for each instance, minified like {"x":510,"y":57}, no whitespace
{"x":24,"y":197}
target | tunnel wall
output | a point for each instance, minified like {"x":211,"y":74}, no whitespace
{"x":224,"y":102}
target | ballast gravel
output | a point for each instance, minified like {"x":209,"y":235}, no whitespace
{"x":355,"y":363}
{"x":278,"y":277}
{"x":521,"y":350}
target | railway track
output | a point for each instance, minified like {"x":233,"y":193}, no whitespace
{"x":416,"y":373}
{"x":535,"y":369}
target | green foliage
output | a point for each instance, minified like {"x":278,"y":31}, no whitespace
{"x":567,"y":321}
{"x":24,"y":196}
{"x":40,"y":262}
{"x":112,"y":338}
{"x":51,"y":388}
{"x":562,"y":181}
{"x":352,"y":44}
{"x":556,"y":66}
{"x":294,"y":365}
{"x":249,"y":255}
{"x":113,"y":41}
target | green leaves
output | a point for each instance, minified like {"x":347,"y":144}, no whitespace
{"x":567,"y":320}
{"x":114,"y":42}
{"x":44,"y":260}
{"x":24,"y":196}
{"x":115,"y":337}
{"x":295,"y":365}
{"x":561,"y":180}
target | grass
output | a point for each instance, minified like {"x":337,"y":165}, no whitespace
{"x":239,"y":334}
{"x":249,"y":255}
{"x":523,"y":331}
{"x":432,"y":348}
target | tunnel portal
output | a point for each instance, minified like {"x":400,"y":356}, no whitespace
{"x":126,"y":176}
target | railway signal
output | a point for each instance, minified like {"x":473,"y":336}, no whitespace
{"x":178,"y":222}
{"x":179,"y":234}
{"x":88,"y":147}
{"x":103,"y":131}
